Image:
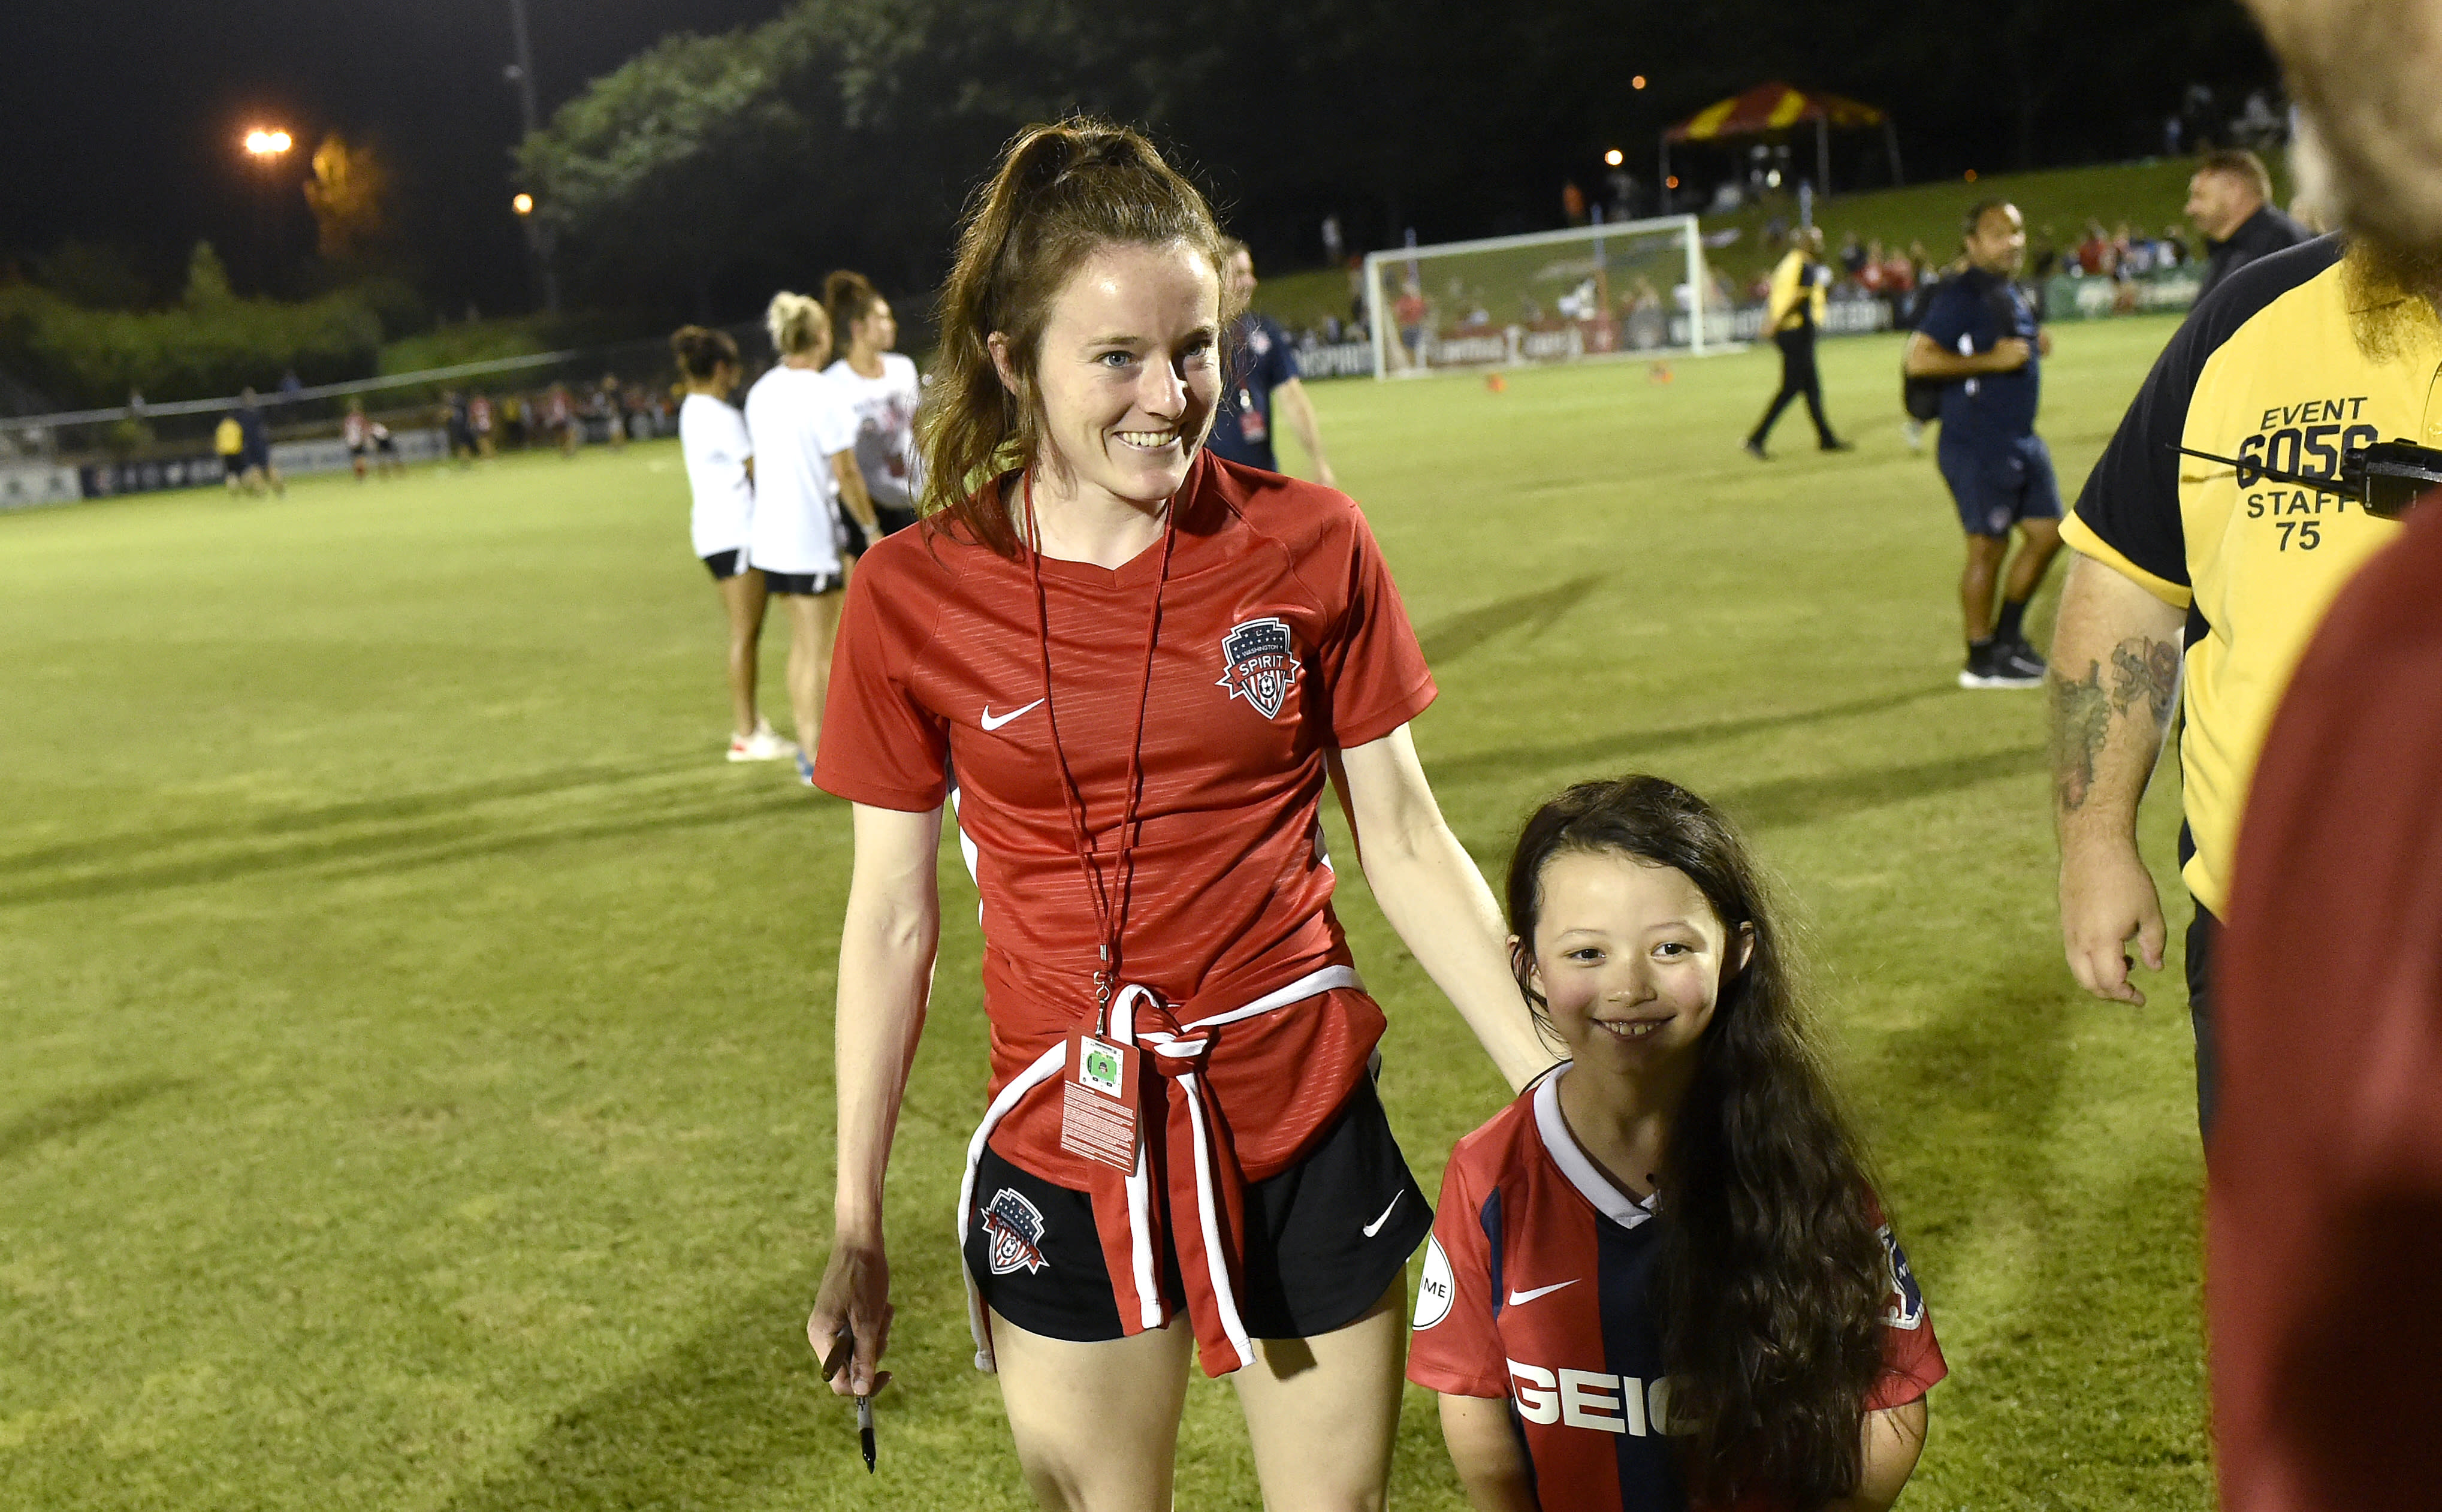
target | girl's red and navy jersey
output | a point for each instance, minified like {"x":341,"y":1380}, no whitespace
{"x":1538,"y":1288}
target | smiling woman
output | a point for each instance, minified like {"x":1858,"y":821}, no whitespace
{"x":1142,"y":665}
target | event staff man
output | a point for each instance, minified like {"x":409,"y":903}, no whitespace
{"x":2229,"y":200}
{"x":1263,"y":373}
{"x":2202,"y":582}
{"x":1978,"y":335}
{"x":1794,"y":315}
{"x":2325,"y":1208}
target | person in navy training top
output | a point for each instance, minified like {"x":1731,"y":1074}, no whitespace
{"x":1979,"y":335}
{"x":1620,"y":1253}
{"x":1262,"y":367}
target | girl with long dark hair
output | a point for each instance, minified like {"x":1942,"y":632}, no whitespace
{"x":1660,"y":1278}
{"x":1135,"y":669}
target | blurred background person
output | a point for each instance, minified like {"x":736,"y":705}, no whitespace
{"x":1263,"y":375}
{"x":802,"y":429}
{"x":883,"y":389}
{"x":1793,"y":314}
{"x":1978,"y":336}
{"x":2230,"y":203}
{"x":720,"y":458}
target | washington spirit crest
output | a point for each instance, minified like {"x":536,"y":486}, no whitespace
{"x":1012,"y":1233}
{"x":1905,"y":1308}
{"x":1259,"y":663}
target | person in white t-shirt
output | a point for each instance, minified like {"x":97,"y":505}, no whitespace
{"x":804,"y":435}
{"x":721,"y":474}
{"x":883,"y":387}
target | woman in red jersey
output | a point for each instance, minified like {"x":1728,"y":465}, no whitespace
{"x":1659,"y":1277}
{"x":1133,"y":669}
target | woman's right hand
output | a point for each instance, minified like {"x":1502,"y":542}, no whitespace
{"x":854,"y":1297}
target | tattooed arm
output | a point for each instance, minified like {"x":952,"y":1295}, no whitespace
{"x":2114,"y":681}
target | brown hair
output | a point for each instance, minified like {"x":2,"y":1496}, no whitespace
{"x":1772,"y":1278}
{"x":700,"y":350}
{"x":1061,"y":191}
{"x":2240,"y":164}
{"x":848,"y":298}
{"x":797,"y":323}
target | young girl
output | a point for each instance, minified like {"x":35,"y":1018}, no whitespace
{"x":804,"y":436}
{"x":720,"y":475}
{"x":882,"y":386}
{"x":1672,"y":1232}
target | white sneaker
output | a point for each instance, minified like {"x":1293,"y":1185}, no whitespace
{"x":763,"y":745}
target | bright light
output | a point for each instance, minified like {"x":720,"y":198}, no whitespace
{"x":1672,"y":181}
{"x":1971,"y":175}
{"x":1614,"y":158}
{"x":523,"y":204}
{"x":1772,"y":178}
{"x":263,"y":143}
{"x":1637,"y":83}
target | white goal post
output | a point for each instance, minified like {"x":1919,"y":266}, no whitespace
{"x":1626,"y":288}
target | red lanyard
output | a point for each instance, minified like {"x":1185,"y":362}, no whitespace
{"x":1112,"y":920}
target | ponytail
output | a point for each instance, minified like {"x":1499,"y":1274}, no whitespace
{"x":1061,"y":191}
{"x":797,"y":324}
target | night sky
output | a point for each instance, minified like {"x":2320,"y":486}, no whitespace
{"x":123,"y":119}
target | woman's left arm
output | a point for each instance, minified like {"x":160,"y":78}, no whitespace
{"x":1894,"y":1438}
{"x":1432,"y":895}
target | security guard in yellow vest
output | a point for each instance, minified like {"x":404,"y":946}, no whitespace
{"x":2202,"y":582}
{"x":1794,"y":315}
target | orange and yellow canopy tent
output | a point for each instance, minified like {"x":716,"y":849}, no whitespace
{"x":1772,"y":109}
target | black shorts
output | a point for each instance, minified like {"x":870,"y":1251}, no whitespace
{"x":725,"y":565}
{"x":1325,"y":1239}
{"x":806,"y":585}
{"x":1999,"y":485}
{"x":851,"y":534}
{"x":232,"y":466}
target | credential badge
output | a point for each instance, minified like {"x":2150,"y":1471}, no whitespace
{"x":1259,"y":663}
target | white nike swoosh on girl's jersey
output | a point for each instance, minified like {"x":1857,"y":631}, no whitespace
{"x":1520,"y":1298}
{"x":994,"y":723}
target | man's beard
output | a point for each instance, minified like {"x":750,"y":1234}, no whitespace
{"x":2392,"y":293}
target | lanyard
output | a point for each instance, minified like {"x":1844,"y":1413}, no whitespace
{"x":1112,"y":920}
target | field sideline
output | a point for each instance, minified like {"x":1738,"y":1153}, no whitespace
{"x":414,"y":1082}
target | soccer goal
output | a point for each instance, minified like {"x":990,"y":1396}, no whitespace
{"x":1626,"y":288}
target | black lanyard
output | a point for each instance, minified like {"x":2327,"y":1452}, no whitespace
{"x":1111,"y":919}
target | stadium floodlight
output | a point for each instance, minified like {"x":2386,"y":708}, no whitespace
{"x":1614,"y":158}
{"x":1629,"y":288}
{"x":262,"y":143}
{"x":523,"y":204}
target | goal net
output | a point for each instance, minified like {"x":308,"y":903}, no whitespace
{"x":1592,"y":291}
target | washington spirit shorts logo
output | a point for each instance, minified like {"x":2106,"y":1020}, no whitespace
{"x":1259,"y":663}
{"x":1012,"y":1234}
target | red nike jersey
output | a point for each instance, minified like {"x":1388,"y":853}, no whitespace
{"x":1537,"y":1288}
{"x":1281,"y":638}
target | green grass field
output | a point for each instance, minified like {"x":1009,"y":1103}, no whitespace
{"x":414,"y":1065}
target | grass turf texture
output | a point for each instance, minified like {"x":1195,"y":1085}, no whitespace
{"x":415,"y":1086}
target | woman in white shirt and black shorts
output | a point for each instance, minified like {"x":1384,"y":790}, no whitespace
{"x":720,"y":475}
{"x":883,"y":387}
{"x":804,"y":436}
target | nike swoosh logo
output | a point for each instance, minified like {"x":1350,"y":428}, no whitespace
{"x":992,"y":723}
{"x":1376,"y":1226}
{"x":1518,"y":1299}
